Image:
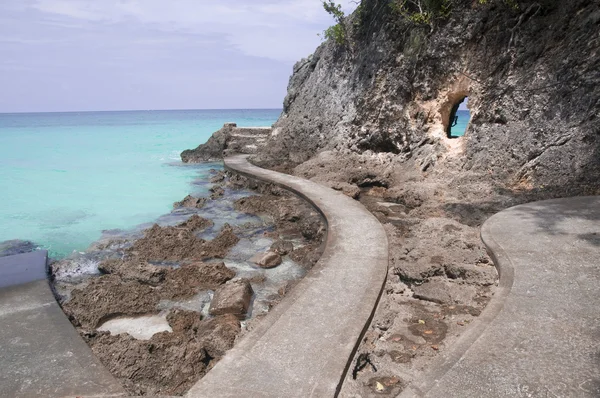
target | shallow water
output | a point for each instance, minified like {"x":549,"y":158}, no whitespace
{"x":66,"y":177}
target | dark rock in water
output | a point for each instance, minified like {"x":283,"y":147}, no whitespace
{"x":16,"y":246}
{"x":190,"y":201}
{"x":229,"y":139}
{"x":232,"y":298}
{"x":216,"y":192}
{"x":282,"y":247}
{"x":269,"y":260}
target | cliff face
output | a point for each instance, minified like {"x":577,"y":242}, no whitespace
{"x":531,"y":75}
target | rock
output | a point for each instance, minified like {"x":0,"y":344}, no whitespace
{"x":108,"y":296}
{"x":134,"y":270}
{"x":307,"y":255}
{"x":16,"y":246}
{"x":232,"y":298}
{"x":190,"y":201}
{"x":269,"y":260}
{"x":443,"y":291}
{"x":181,"y":243}
{"x":483,"y":275}
{"x":435,"y":291}
{"x":229,"y":139}
{"x":350,"y":190}
{"x":216,"y":192}
{"x":220,"y":245}
{"x":169,"y":363}
{"x":282,"y":247}
{"x":189,"y":279}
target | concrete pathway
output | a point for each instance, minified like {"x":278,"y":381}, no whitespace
{"x":41,"y":354}
{"x":304,"y":346}
{"x":540,"y":334}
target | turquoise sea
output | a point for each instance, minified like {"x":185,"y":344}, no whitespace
{"x":66,"y":177}
{"x":461,"y":126}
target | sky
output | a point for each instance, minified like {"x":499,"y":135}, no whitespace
{"x":90,"y":55}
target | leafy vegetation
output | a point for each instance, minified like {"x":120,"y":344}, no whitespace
{"x":336,"y":32}
{"x":423,"y":12}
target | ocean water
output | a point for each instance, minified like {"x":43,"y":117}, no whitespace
{"x":461,"y":126}
{"x":66,"y":177}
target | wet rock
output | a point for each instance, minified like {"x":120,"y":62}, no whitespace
{"x":134,"y":270}
{"x":220,"y":245}
{"x":269,"y":260}
{"x":189,"y":279}
{"x":182,"y":321}
{"x":181,"y":243}
{"x":16,"y":246}
{"x":282,"y":247}
{"x":232,"y":298}
{"x":216,"y":192}
{"x":190,"y":201}
{"x":196,"y":223}
{"x":108,"y":296}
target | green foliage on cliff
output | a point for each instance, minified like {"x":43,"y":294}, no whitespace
{"x":336,"y":32}
{"x":422,"y":11}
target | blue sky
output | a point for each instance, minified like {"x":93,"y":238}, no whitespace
{"x":66,"y":55}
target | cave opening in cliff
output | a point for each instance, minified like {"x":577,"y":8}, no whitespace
{"x":459,"y":119}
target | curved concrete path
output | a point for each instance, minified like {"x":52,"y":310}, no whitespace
{"x":540,"y":334}
{"x":41,"y":353}
{"x":304,"y":346}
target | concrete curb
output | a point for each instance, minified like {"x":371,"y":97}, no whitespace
{"x":538,"y":334}
{"x":41,"y":353}
{"x":305,"y":345}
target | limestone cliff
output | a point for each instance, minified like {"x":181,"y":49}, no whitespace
{"x":531,"y":73}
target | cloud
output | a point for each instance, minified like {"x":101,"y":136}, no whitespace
{"x":280,"y":30}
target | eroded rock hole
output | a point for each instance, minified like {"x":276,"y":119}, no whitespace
{"x":459,"y":119}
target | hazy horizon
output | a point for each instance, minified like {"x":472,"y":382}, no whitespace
{"x":89,"y":56}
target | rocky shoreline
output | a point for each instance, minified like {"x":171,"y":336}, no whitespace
{"x":160,"y":309}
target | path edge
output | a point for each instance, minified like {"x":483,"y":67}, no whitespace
{"x":506,"y":272}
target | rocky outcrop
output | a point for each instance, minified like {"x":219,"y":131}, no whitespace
{"x":530,"y":73}
{"x":229,"y":139}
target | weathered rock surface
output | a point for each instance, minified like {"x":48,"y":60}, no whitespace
{"x":180,"y":242}
{"x":187,"y":280}
{"x":229,"y":139}
{"x":108,"y":296}
{"x":269,"y":260}
{"x":168,"y":363}
{"x":282,"y":247}
{"x":139,"y":271}
{"x":232,"y":298}
{"x":190,"y":201}
{"x":532,"y":93}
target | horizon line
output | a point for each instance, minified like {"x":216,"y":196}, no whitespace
{"x":146,"y":110}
